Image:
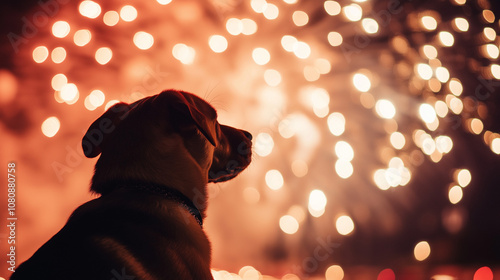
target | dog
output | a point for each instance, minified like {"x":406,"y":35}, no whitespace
{"x":157,"y":156}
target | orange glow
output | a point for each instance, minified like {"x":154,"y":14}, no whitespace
{"x":82,"y":37}
{"x":300,"y":18}
{"x":103,"y":55}
{"x":60,"y":29}
{"x":58,"y":55}
{"x":143,"y":40}
{"x":289,"y":224}
{"x":111,"y":18}
{"x":333,"y":8}
{"x":40,"y":54}
{"x":89,"y":9}
{"x":51,"y":126}
{"x":271,"y":12}
{"x":128,"y":13}
{"x":344,"y":225}
{"x":422,"y":251}
{"x":334,"y":272}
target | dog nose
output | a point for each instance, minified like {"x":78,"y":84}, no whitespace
{"x":247,"y":134}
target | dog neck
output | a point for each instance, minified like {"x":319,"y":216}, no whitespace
{"x":162,"y":191}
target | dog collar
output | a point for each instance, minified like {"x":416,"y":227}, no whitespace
{"x":168,"y":193}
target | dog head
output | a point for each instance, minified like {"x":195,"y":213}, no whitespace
{"x":159,"y":134}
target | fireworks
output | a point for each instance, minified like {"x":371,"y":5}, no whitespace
{"x":347,"y":100}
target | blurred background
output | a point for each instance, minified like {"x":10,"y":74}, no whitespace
{"x":375,"y":123}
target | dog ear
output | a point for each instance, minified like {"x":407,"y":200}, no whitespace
{"x":101,"y":129}
{"x":200,"y":120}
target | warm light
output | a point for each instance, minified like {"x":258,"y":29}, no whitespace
{"x":272,"y":77}
{"x":163,"y":2}
{"x":335,"y":39}
{"x":234,"y":26}
{"x":40,"y":54}
{"x":464,"y":177}
{"x":143,"y":40}
{"x":491,"y":50}
{"x":441,"y":108}
{"x":333,"y":8}
{"x":456,"y":105}
{"x":299,"y":168}
{"x":301,"y":50}
{"x":259,"y":6}
{"x":110,"y":104}
{"x":89,"y":9}
{"x":370,"y":25}
{"x":261,"y":56}
{"x":82,"y":37}
{"x":495,"y":71}
{"x":111,"y":18}
{"x":128,"y":13}
{"x":60,"y":29}
{"x":336,"y":123}
{"x":287,"y":42}
{"x":380,"y":179}
{"x":495,"y":146}
{"x":103,"y":55}
{"x":385,"y":109}
{"x":271,"y":12}
{"x":424,"y":71}
{"x":217,"y":43}
{"x":386,"y":274}
{"x":446,"y":38}
{"x":317,"y":200}
{"x":460,"y":2}
{"x":344,"y":168}
{"x":444,"y":144}
{"x":455,"y":86}
{"x":428,"y":146}
{"x":96,"y":98}
{"x":184,"y":53}
{"x":274,"y":179}
{"x":311,"y":74}
{"x":320,"y":100}
{"x":353,"y":12}
{"x":429,"y":23}
{"x":344,"y":225}
{"x":334,"y":272}
{"x":461,"y":24}
{"x":430,"y":51}
{"x":248,"y":26}
{"x":289,"y":224}
{"x":264,"y":144}
{"x":361,"y":82}
{"x":344,"y":151}
{"x":442,"y":74}
{"x":290,"y":1}
{"x":398,"y":140}
{"x":51,"y":126}
{"x":58,"y":55}
{"x":489,"y":33}
{"x":248,"y":273}
{"x":483,"y":273}
{"x":476,"y":126}
{"x":422,"y":250}
{"x":300,"y":18}
{"x":58,"y":81}
{"x":69,"y":93}
{"x":427,"y":113}
{"x":489,"y":16}
{"x":455,"y":194}
{"x":323,"y":65}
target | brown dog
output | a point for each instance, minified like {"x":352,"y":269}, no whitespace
{"x":157,"y":156}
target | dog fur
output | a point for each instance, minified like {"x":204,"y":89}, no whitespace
{"x":156,"y":157}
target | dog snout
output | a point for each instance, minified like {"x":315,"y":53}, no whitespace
{"x":247,"y":134}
